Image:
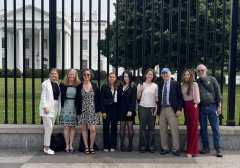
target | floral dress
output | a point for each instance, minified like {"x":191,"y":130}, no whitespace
{"x":89,"y":115}
{"x":68,"y":115}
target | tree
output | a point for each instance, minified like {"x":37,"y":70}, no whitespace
{"x":121,"y":34}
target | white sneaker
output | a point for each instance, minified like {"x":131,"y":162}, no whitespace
{"x":189,"y":156}
{"x":48,"y":152}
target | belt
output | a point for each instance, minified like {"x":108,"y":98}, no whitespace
{"x":167,"y":106}
{"x":207,"y":105}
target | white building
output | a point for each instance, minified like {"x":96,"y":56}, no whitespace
{"x":37,"y":47}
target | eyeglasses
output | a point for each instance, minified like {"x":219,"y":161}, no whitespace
{"x":201,"y":70}
{"x":86,"y":74}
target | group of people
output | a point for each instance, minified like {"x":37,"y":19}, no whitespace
{"x":82,"y":103}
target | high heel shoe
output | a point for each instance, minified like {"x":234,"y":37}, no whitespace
{"x":123,"y":149}
{"x":129,"y":148}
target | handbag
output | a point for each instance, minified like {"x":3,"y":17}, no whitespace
{"x":109,"y":102}
{"x":82,"y":145}
{"x":57,"y":142}
{"x":200,"y":145}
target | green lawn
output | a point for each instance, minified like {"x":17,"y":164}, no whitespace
{"x":37,"y":100}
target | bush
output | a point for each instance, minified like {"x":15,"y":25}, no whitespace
{"x":218,"y":77}
{"x":2,"y":73}
{"x":37,"y":73}
{"x":104,"y":75}
{"x":18,"y":73}
{"x":28,"y":73}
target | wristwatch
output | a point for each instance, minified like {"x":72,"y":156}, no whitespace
{"x":220,"y":105}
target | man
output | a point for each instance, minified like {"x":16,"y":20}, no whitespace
{"x":210,"y":106}
{"x":170,"y":105}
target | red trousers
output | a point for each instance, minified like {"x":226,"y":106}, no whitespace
{"x":191,"y":118}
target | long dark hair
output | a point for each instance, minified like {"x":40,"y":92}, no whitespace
{"x":189,"y":83}
{"x":115,"y":83}
{"x":129,"y":73}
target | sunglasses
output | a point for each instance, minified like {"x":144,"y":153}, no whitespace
{"x":86,"y":74}
{"x":200,"y":70}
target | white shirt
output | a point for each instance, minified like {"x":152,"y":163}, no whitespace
{"x":115,"y":97}
{"x":168,"y":91}
{"x":149,"y":93}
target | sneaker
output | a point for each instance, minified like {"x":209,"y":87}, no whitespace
{"x":204,"y":151}
{"x":48,"y":152}
{"x":189,"y":155}
{"x":219,"y":154}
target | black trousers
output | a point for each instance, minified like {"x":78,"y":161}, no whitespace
{"x":111,"y":118}
{"x":146,"y":118}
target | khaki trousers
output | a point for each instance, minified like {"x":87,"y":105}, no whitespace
{"x":48,"y":124}
{"x":167,"y":117}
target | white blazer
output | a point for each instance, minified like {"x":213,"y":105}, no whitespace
{"x":47,"y":100}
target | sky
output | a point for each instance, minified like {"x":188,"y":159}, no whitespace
{"x":68,"y":6}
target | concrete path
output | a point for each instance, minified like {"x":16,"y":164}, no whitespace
{"x":118,"y":159}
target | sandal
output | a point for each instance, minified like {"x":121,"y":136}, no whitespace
{"x":67,"y":150}
{"x":92,"y":151}
{"x":87,"y":151}
{"x":71,"y":150}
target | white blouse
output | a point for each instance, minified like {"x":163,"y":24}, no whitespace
{"x":115,"y":97}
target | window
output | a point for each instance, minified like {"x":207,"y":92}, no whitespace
{"x":84,"y":63}
{"x":45,"y":66}
{"x":45,"y":43}
{"x":84,"y":45}
{"x":3,"y":42}
{"x":26,"y":43}
{"x":3,"y":63}
{"x":27,"y":63}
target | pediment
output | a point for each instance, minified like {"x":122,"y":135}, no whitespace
{"x":28,"y":14}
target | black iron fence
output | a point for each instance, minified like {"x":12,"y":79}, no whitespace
{"x":161,"y":7}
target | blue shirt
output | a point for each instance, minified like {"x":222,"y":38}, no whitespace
{"x":168,"y":90}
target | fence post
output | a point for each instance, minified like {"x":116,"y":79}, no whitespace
{"x":232,"y":63}
{"x":52,"y":33}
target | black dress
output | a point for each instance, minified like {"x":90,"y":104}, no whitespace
{"x":127,"y":102}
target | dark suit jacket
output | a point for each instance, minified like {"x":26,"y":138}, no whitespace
{"x":78,"y":101}
{"x":63,"y":89}
{"x":106,"y":93}
{"x":175,"y":96}
{"x":131,"y":97}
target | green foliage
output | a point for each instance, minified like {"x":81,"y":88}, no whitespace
{"x":157,"y":34}
{"x":218,"y":76}
{"x":18,"y":73}
{"x":103,"y":75}
{"x":37,"y":73}
{"x":28,"y":73}
{"x":2,"y":73}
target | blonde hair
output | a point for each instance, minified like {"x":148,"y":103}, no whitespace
{"x":53,"y":69}
{"x":76,"y":80}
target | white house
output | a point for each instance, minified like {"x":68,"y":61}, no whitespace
{"x":37,"y":47}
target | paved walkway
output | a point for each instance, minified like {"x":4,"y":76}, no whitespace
{"x":37,"y":159}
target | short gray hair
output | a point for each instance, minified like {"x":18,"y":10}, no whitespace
{"x":201,"y":65}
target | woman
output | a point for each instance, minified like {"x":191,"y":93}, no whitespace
{"x":68,"y":111}
{"x":127,"y":101}
{"x":147,"y":93}
{"x":109,"y":112}
{"x":191,"y":98}
{"x":50,"y":106}
{"x":88,"y":108}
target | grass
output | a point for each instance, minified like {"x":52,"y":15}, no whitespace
{"x":38,"y":94}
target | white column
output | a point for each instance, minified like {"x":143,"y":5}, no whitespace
{"x":66,"y":51}
{"x":9,"y":60}
{"x":40,"y":49}
{"x":20,"y":49}
{"x":1,"y":48}
{"x":60,"y":47}
{"x":69,"y":50}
